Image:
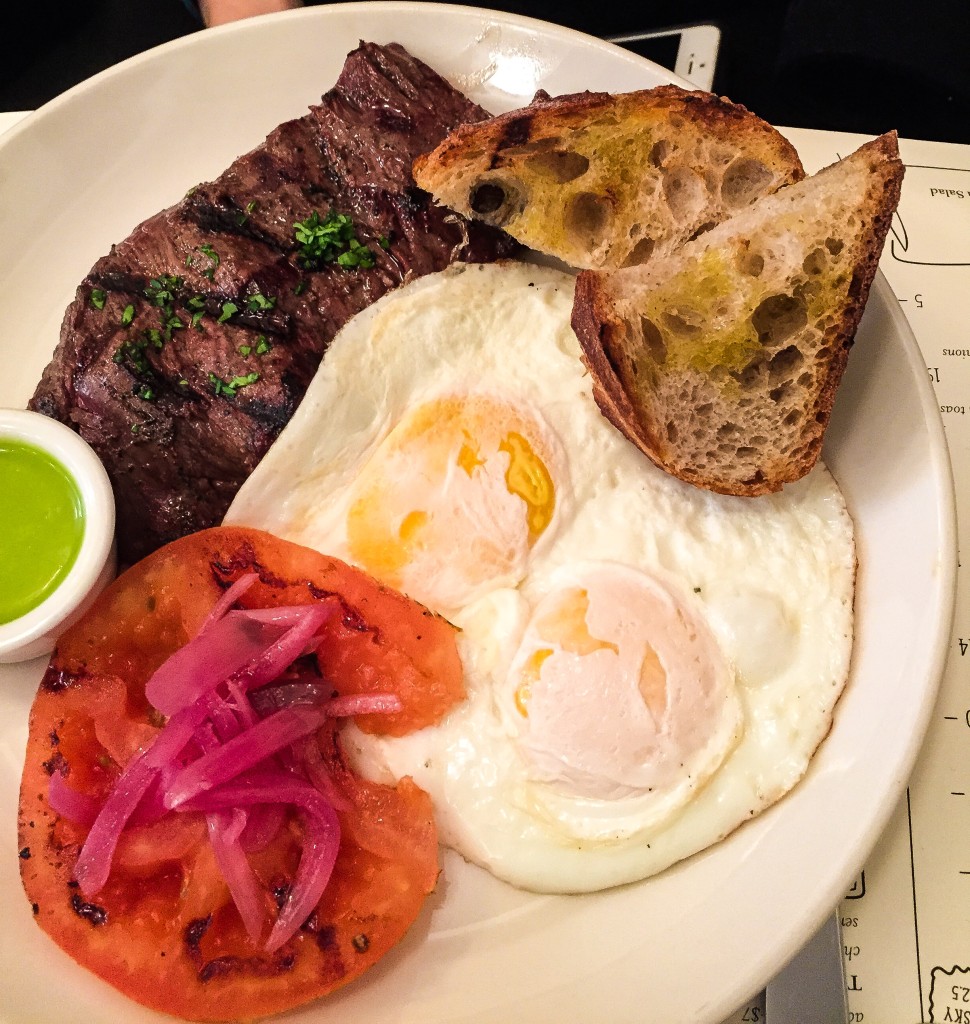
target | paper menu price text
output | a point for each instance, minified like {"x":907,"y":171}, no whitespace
{"x":907,"y":935}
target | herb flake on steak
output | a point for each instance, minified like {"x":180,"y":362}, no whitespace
{"x":188,"y":347}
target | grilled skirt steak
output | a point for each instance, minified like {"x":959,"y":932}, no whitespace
{"x":189,"y":346}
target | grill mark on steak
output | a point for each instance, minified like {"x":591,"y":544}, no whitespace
{"x":145,"y":393}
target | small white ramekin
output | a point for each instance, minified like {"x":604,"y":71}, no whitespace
{"x":35,"y":633}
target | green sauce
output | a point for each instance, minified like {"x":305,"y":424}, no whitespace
{"x":41,"y":526}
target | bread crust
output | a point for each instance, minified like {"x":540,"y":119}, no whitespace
{"x":549,"y":117}
{"x":603,"y":181}
{"x":606,"y":306}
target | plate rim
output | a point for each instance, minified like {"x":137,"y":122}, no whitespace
{"x":376,"y":9}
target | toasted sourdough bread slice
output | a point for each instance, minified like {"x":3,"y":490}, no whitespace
{"x":604,"y":181}
{"x":721,"y":362}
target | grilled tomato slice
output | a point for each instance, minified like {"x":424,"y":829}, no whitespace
{"x":216,"y":859}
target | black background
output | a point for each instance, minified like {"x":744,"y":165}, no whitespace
{"x":864,"y":67}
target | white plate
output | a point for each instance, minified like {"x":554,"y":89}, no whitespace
{"x":690,"y":945}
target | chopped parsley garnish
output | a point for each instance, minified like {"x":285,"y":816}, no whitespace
{"x":197,"y":305}
{"x":171,"y":323}
{"x":260,"y":347}
{"x":228,"y":309}
{"x":356,"y":256}
{"x":259,"y":303}
{"x":229,"y":388}
{"x":98,"y":298}
{"x":133,"y":353}
{"x":213,"y":256}
{"x":250,"y":206}
{"x":161,"y":290}
{"x":331,"y":240}
{"x":127,"y":315}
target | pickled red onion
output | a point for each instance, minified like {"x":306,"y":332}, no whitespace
{"x":225,"y":829}
{"x":71,"y":804}
{"x":320,"y":845}
{"x":263,"y":824}
{"x":230,"y":596}
{"x":235,"y":755}
{"x":249,"y":748}
{"x":207,"y":660}
{"x":94,"y":861}
{"x":239,"y":641}
{"x":363,"y":704}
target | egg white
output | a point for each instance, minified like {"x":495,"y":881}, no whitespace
{"x":771,"y":579}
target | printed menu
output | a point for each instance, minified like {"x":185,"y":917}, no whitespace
{"x":906,"y":917}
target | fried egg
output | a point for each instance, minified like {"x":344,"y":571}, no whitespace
{"x":476,"y":468}
{"x":648,"y":665}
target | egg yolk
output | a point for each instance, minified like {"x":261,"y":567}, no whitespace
{"x":454,"y":498}
{"x":619,"y":689}
{"x":565,"y":626}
